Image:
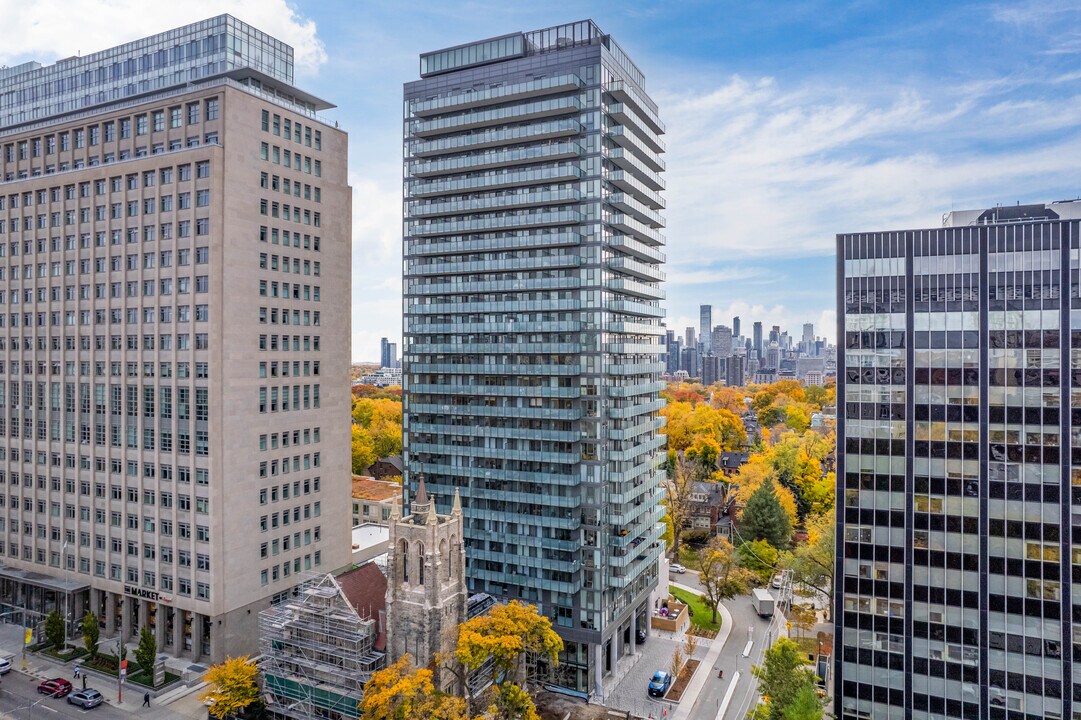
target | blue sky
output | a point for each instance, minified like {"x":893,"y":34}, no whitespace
{"x":788,"y":121}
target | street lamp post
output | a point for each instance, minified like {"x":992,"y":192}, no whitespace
{"x":67,"y":591}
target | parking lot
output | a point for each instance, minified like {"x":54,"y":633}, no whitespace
{"x":630,"y":694}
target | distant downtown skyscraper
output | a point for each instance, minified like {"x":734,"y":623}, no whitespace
{"x":705,"y":328}
{"x":735,"y":326}
{"x":757,"y":328}
{"x":174,"y":228}
{"x":532,"y":352}
{"x":959,"y":468}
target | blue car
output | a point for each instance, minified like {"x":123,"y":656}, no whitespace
{"x":660,"y":683}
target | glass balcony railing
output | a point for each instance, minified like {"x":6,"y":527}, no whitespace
{"x":511,"y":220}
{"x":626,"y":138}
{"x":624,"y":93}
{"x":507,"y":178}
{"x":495,"y":116}
{"x":503,"y":93}
{"x":642,"y":271}
{"x":631,"y":307}
{"x":499,"y":305}
{"x":499,"y":158}
{"x":629,"y":183}
{"x":639,"y":230}
{"x":522,"y":198}
{"x":503,"y":242}
{"x":502,"y":136}
{"x":630,"y":205}
{"x":625,"y":115}
{"x":635,"y":248}
{"x":632,"y":163}
{"x":473,"y":266}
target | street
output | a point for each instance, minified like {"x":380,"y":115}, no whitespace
{"x":731,"y":659}
{"x":19,"y":699}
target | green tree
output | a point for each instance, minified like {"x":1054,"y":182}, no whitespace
{"x":54,"y":629}
{"x":669,"y":536}
{"x":720,"y":573}
{"x":764,"y":518}
{"x":146,"y":652}
{"x":812,"y":562}
{"x":233,"y":686}
{"x":782,"y":676}
{"x":806,"y":705}
{"x":759,"y":557}
{"x":91,"y":633}
{"x":678,"y":490}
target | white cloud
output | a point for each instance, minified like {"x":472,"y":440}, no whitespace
{"x":757,"y":168}
{"x":51,"y":29}
{"x":377,"y":265}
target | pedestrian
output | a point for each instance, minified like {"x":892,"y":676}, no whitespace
{"x":146,"y":699}
{"x":76,"y":671}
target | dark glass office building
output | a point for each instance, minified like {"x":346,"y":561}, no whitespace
{"x":959,"y":468}
{"x":533,"y":354}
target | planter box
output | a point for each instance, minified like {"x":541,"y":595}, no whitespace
{"x":677,"y":617}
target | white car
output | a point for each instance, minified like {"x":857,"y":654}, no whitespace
{"x":5,"y":665}
{"x":778,"y":580}
{"x":677,"y":568}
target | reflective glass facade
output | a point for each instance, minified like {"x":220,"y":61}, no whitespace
{"x":201,"y":50}
{"x":959,"y":471}
{"x":532,"y":361}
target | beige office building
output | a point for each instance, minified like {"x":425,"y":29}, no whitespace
{"x":174,"y":337}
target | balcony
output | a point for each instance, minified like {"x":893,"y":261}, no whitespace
{"x":632,"y":206}
{"x":635,"y":369}
{"x":488,"y":286}
{"x":493,"y":138}
{"x":506,"y":369}
{"x":629,"y":348}
{"x":625,"y":115}
{"x":632,"y":163}
{"x":415,"y":310}
{"x":639,"y":230}
{"x":515,"y":220}
{"x":636,"y":410}
{"x":642,"y":271}
{"x":634,"y":328}
{"x":629,"y":183}
{"x":565,"y":172}
{"x":631,"y":307}
{"x":491,"y":96}
{"x":625,"y":138}
{"x":499,"y":158}
{"x":634,"y":248}
{"x":504,"y":242}
{"x":625,"y":93}
{"x":497,"y":116}
{"x":633,"y":287}
{"x":652,"y":386}
{"x":523,"y":198}
{"x":413,"y":268}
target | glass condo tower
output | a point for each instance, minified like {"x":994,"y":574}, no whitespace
{"x":532,"y":290}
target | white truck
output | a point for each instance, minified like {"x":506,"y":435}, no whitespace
{"x":762,"y":602}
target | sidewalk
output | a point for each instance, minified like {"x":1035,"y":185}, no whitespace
{"x":179,"y":703}
{"x":694,"y":689}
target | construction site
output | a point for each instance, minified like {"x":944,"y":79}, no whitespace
{"x":322,"y":645}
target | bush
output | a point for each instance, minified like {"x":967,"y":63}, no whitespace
{"x":697,"y":536}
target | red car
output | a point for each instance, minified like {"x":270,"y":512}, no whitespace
{"x":57,"y":687}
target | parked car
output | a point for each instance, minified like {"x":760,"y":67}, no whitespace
{"x":677,"y":568}
{"x":660,"y":683}
{"x":86,"y":698}
{"x":5,"y":665}
{"x":57,"y":687}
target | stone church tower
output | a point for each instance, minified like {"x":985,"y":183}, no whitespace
{"x":426,"y":590}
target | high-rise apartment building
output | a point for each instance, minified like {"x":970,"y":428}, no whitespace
{"x":172,"y":214}
{"x":757,"y":329}
{"x":533,"y":253}
{"x":735,"y":327}
{"x":388,"y":354}
{"x":691,"y":339}
{"x":705,"y":328}
{"x":958,"y":576}
{"x":808,"y":338}
{"x":721,"y":341}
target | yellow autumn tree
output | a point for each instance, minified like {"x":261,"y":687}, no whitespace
{"x":402,"y":692}
{"x":751,"y":476}
{"x":233,"y":687}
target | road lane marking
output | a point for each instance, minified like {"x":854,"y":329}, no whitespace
{"x":747,"y":648}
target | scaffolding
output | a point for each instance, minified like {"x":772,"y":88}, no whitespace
{"x":317,"y":653}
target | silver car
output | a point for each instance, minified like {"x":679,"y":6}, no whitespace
{"x":86,"y":698}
